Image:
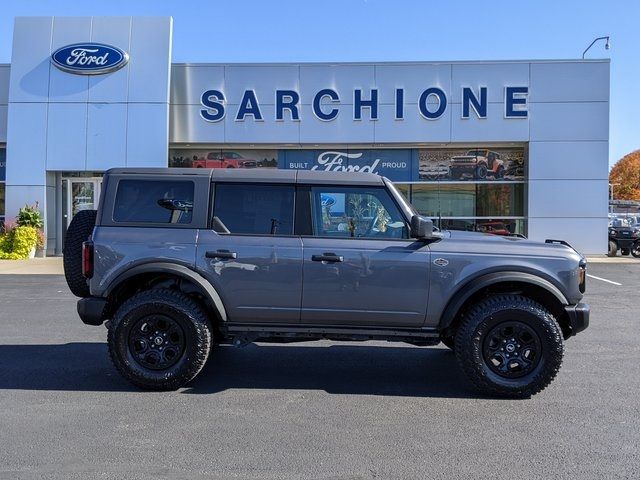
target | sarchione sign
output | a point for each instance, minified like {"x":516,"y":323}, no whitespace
{"x":326,"y":104}
{"x":89,"y":58}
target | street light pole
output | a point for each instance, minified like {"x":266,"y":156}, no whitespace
{"x":607,"y":46}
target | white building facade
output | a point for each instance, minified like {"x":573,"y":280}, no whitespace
{"x":509,"y":147}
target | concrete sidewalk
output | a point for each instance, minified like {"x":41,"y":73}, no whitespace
{"x":53,"y":265}
{"x":34,"y":266}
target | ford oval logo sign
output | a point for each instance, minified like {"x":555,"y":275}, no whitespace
{"x":89,"y":58}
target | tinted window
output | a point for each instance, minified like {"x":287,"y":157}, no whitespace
{"x":253,"y":209}
{"x":356,"y":212}
{"x":152,"y":201}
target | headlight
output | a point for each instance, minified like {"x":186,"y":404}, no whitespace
{"x":612,"y":232}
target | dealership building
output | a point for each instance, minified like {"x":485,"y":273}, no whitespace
{"x":509,"y":147}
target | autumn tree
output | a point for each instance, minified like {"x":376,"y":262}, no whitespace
{"x":626,"y":174}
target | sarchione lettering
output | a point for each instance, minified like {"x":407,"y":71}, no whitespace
{"x":431,"y":102}
{"x":84,"y":57}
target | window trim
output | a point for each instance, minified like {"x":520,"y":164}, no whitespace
{"x":210,"y":216}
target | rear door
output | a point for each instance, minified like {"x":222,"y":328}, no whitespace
{"x":360,"y":267}
{"x":250,"y":253}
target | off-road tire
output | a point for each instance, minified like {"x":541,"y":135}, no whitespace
{"x":78,"y":232}
{"x":613,"y":249}
{"x":499,"y":173}
{"x":481,"y":171}
{"x":487,"y":314}
{"x":625,"y":252}
{"x":635,"y":250}
{"x":180,"y":308}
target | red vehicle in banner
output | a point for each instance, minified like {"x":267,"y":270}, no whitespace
{"x":224,"y":160}
{"x":495,"y":228}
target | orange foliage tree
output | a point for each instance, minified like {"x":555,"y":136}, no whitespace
{"x":626,"y":173}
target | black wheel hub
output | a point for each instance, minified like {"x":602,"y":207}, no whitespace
{"x":512,"y":349}
{"x":156,"y":342}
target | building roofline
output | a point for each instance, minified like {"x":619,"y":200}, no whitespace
{"x":388,"y":62}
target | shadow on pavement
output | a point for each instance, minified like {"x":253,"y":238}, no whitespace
{"x":336,"y":369}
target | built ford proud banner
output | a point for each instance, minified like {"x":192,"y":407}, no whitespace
{"x":395,"y":164}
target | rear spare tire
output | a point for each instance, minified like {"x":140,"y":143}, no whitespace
{"x":78,"y":232}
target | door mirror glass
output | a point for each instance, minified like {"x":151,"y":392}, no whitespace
{"x":421,"y":227}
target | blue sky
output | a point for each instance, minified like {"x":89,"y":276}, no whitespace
{"x":388,"y":30}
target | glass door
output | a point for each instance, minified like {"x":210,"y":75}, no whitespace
{"x":80,"y":194}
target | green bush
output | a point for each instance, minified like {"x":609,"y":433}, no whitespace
{"x":18,"y":242}
{"x":30,"y":216}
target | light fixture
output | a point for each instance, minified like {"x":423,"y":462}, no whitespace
{"x":607,"y":45}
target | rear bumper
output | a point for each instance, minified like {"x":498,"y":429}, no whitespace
{"x":91,"y":310}
{"x":578,"y":317}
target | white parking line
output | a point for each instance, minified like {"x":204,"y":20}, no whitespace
{"x":603,"y":280}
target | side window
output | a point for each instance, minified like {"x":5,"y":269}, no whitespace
{"x":356,"y":212}
{"x":154,"y":201}
{"x":253,"y":209}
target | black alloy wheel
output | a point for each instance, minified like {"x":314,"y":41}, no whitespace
{"x":635,"y":250}
{"x":156,"y":342}
{"x":512,"y":349}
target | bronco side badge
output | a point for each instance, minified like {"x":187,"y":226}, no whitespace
{"x":441,"y":262}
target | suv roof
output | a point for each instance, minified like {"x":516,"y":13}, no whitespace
{"x":261,"y":175}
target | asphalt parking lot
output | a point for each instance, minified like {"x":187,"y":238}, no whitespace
{"x":312,"y":410}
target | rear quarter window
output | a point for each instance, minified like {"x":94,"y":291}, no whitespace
{"x":154,"y":201}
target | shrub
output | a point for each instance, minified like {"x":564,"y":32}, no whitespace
{"x":17,"y":243}
{"x":30,"y":216}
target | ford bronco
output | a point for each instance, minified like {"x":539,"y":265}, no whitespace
{"x":175,"y":261}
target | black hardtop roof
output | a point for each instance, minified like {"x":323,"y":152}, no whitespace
{"x":262,"y":175}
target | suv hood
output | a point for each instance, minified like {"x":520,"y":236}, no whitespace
{"x":476,"y":242}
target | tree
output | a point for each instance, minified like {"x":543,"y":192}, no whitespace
{"x":626,"y":174}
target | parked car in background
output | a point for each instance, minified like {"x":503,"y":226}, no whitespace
{"x":224,"y":160}
{"x":624,"y":238}
{"x":477,"y":163}
{"x":495,"y":228}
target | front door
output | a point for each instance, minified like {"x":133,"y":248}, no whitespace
{"x":360,"y":267}
{"x":250,"y":254}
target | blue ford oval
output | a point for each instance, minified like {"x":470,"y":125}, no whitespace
{"x":89,"y":58}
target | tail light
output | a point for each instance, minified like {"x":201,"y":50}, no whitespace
{"x":87,"y":259}
{"x":582,"y":275}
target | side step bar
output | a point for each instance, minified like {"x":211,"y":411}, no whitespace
{"x":244,"y":334}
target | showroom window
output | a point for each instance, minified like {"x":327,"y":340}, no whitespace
{"x":479,"y":188}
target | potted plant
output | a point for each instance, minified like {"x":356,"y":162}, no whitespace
{"x":30,"y":216}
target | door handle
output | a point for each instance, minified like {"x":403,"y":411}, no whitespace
{"x":222,"y":254}
{"x":327,"y":257}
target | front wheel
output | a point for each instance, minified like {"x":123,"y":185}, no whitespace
{"x":613,"y":249}
{"x":635,"y":250}
{"x":159,"y":339}
{"x":509,"y":346}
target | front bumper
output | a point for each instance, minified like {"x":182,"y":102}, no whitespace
{"x":91,"y":310}
{"x":578,"y":317}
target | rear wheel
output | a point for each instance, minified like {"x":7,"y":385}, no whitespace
{"x":635,"y":250}
{"x":80,"y":228}
{"x":159,"y":339}
{"x":625,"y":251}
{"x":613,"y":249}
{"x":509,"y":346}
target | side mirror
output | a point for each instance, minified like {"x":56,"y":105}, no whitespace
{"x":421,"y":227}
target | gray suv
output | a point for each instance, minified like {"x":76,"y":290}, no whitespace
{"x":175,"y":261}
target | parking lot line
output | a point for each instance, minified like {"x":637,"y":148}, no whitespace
{"x":603,"y":280}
